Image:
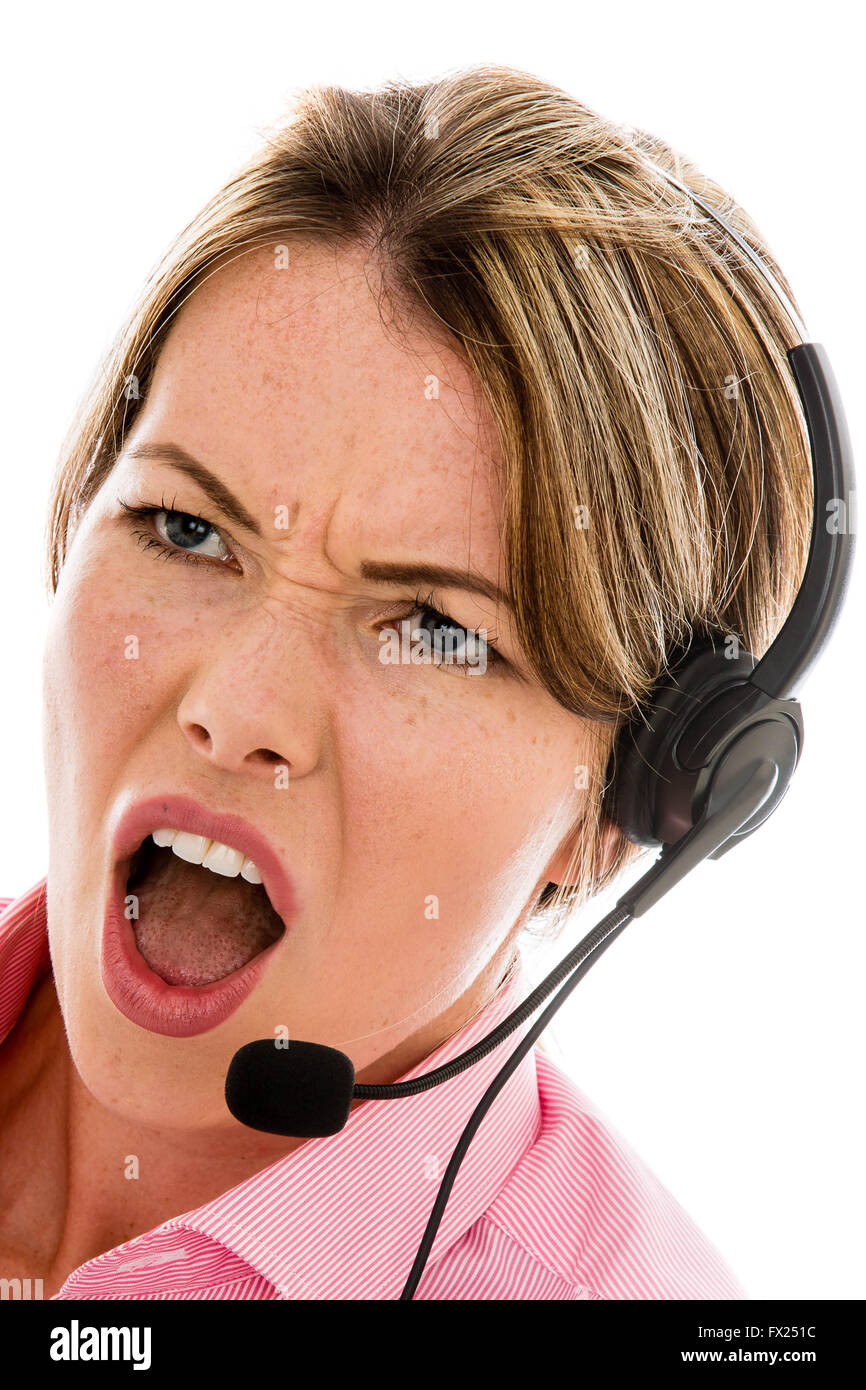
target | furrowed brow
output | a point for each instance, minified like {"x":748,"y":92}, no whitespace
{"x":379,"y":571}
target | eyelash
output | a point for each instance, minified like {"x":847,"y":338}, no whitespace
{"x":136,"y":515}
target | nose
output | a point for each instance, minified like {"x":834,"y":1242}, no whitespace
{"x":251,"y":707}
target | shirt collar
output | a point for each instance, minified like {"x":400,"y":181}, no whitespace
{"x":342,"y":1216}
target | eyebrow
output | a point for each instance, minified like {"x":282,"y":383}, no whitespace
{"x":443,"y":576}
{"x":378,"y":571}
{"x":209,"y":483}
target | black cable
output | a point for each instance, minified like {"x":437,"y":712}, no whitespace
{"x":583,"y":957}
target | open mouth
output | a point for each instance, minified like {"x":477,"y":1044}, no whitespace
{"x":191,"y":925}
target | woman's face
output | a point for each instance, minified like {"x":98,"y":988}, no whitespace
{"x":416,"y":808}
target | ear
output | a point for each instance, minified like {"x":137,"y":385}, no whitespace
{"x":611,"y":839}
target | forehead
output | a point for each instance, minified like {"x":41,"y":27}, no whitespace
{"x":279,"y":374}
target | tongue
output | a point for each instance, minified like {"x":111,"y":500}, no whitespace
{"x":195,"y":926}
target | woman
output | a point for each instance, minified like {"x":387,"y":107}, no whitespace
{"x":459,"y":421}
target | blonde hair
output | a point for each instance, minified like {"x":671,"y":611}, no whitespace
{"x":656,"y":463}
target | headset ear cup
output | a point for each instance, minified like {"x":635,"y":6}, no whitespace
{"x":627,"y":800}
{"x":648,"y":795}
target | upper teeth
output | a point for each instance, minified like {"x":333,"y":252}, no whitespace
{"x":197,"y":849}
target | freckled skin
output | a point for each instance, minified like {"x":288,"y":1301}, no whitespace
{"x":405,"y":781}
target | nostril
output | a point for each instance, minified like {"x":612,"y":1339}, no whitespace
{"x":198,"y":734}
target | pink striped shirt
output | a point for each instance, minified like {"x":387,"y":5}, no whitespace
{"x":549,"y":1203}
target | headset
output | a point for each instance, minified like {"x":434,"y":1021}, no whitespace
{"x":698,"y":767}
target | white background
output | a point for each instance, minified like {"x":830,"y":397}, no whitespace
{"x":722,"y":1034}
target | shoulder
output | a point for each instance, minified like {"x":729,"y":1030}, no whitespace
{"x":586,"y":1208}
{"x":24,"y":951}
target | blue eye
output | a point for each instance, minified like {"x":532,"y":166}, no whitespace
{"x":186,"y":531}
{"x":440,"y":625}
{"x":176,"y":533}
{"x":460,"y":652}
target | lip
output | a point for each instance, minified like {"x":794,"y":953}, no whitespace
{"x":137,"y":991}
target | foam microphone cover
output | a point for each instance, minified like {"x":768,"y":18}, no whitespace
{"x":303,"y":1090}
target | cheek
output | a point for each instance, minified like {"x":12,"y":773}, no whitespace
{"x":100,"y":678}
{"x":443,"y":807}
